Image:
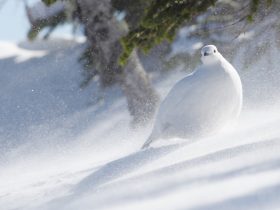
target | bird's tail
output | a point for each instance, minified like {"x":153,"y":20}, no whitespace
{"x":148,"y":141}
{"x":147,"y":144}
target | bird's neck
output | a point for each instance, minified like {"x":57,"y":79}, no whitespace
{"x":212,"y":62}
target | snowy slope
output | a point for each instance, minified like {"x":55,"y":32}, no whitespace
{"x":62,"y":148}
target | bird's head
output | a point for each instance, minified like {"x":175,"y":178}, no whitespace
{"x":209,"y":54}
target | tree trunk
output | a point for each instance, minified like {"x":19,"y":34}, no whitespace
{"x":141,"y":96}
{"x":103,"y":32}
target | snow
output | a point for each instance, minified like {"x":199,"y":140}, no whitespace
{"x":185,"y":44}
{"x":21,"y":55}
{"x":40,"y":11}
{"x":63,"y":148}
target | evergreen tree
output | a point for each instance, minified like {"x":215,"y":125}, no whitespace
{"x":111,"y":53}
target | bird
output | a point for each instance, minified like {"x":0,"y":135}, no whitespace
{"x":202,"y":103}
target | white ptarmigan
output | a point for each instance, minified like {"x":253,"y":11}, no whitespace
{"x":202,"y":103}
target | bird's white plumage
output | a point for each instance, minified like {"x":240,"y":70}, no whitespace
{"x":201,"y":103}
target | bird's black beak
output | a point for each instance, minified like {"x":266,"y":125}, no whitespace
{"x":206,"y":54}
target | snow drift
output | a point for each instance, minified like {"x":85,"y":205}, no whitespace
{"x":66,"y":148}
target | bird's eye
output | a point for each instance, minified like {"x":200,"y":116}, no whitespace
{"x":214,"y":51}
